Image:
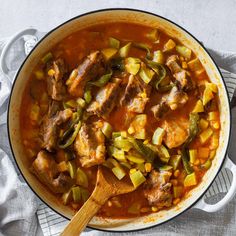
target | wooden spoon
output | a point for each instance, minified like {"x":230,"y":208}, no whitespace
{"x":107,"y":186}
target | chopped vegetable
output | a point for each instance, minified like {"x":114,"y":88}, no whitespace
{"x":103,"y":80}
{"x":163,"y":154}
{"x":198,"y":107}
{"x":81,"y":102}
{"x":146,"y":74}
{"x":213,"y":115}
{"x":62,"y":166}
{"x":118,"y":172}
{"x":126,"y":164}
{"x":205,"y":135}
{"x":39,"y":74}
{"x":114,"y":43}
{"x":84,"y":194}
{"x":72,"y":169}
{"x":193,"y":127}
{"x":67,"y":197}
{"x":207,"y":165}
{"x":185,"y":161}
{"x":47,"y":58}
{"x":81,"y":178}
{"x":117,"y":153}
{"x":132,"y":65}
{"x":190,"y":180}
{"x":184,"y":51}
{"x":195,"y":65}
{"x":203,"y":124}
{"x":158,"y":136}
{"x":158,"y":57}
{"x":76,"y":194}
{"x":135,"y":159}
{"x":87,"y":95}
{"x":137,"y":178}
{"x":123,"y":52}
{"x":72,"y":77}
{"x":193,"y":154}
{"x":214,"y":141}
{"x":175,"y":161}
{"x":153,"y":35}
{"x":70,"y":104}
{"x":177,"y":191}
{"x":203,"y":152}
{"x":122,"y":143}
{"x":107,"y":129}
{"x":207,"y":95}
{"x":138,"y":124}
{"x":169,"y":45}
{"x":35,"y":112}
{"x":148,"y":167}
{"x":108,"y":53}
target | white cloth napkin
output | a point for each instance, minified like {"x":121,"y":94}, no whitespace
{"x":18,"y":205}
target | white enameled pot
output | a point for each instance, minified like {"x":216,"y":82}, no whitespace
{"x":194,"y":198}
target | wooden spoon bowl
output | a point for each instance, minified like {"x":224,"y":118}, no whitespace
{"x":107,"y":186}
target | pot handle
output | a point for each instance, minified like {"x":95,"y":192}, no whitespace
{"x":202,"y":205}
{"x":30,"y":40}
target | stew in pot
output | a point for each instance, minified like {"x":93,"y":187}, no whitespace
{"x":127,"y":97}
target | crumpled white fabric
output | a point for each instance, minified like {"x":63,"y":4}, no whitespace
{"x":18,"y":204}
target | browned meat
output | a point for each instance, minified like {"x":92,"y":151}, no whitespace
{"x":49,"y":127}
{"x":55,"y":84}
{"x":105,"y":99}
{"x":184,"y":81}
{"x":91,"y":67}
{"x":158,"y":189}
{"x":176,"y":98}
{"x":45,"y":168}
{"x":176,"y":132}
{"x":136,"y":95}
{"x":90,"y":145}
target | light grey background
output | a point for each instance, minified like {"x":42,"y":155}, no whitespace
{"x":211,"y":21}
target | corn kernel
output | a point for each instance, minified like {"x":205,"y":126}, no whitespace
{"x":176,"y":173}
{"x":51,"y":72}
{"x":131,"y":130}
{"x":148,"y":167}
{"x":154,"y":209}
{"x":184,"y":65}
{"x":109,"y":203}
{"x":174,"y":182}
{"x":146,"y":141}
{"x":176,"y":201}
{"x":131,"y":171}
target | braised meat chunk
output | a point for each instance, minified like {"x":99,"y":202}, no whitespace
{"x":90,"y":145}
{"x":105,"y":99}
{"x":50,"y":125}
{"x":91,"y":67}
{"x":45,"y":168}
{"x":158,"y":189}
{"x":55,"y":83}
{"x":136,"y":95}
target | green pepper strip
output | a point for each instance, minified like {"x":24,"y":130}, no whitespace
{"x":103,"y":80}
{"x":193,"y":130}
{"x":72,"y":138}
{"x":159,"y":69}
{"x":148,"y":153}
{"x":144,"y":47}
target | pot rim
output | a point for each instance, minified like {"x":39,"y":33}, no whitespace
{"x":131,"y":10}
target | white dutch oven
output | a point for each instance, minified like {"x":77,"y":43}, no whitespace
{"x":194,"y":198}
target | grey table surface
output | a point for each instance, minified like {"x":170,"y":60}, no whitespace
{"x":212,"y":21}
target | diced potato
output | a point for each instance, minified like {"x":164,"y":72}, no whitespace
{"x":205,"y":135}
{"x":158,"y":136}
{"x":146,"y":74}
{"x":177,"y":191}
{"x":170,"y":44}
{"x":108,"y":53}
{"x":207,"y":96}
{"x":184,"y":51}
{"x":203,"y":152}
{"x":158,"y":57}
{"x":175,"y":161}
{"x":212,"y":87}
{"x":214,"y":142}
{"x":213,"y":115}
{"x":118,"y":172}
{"x":137,"y":178}
{"x":195,"y":65}
{"x":190,"y":180}
{"x":212,"y":154}
{"x":193,"y":154}
{"x":123,"y":52}
{"x":153,"y":35}
{"x":198,"y":107}
{"x":132,"y":65}
{"x":203,"y":124}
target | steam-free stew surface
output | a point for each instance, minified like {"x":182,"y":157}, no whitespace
{"x":124,"y":96}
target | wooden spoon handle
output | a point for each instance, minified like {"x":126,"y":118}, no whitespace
{"x":86,"y":212}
